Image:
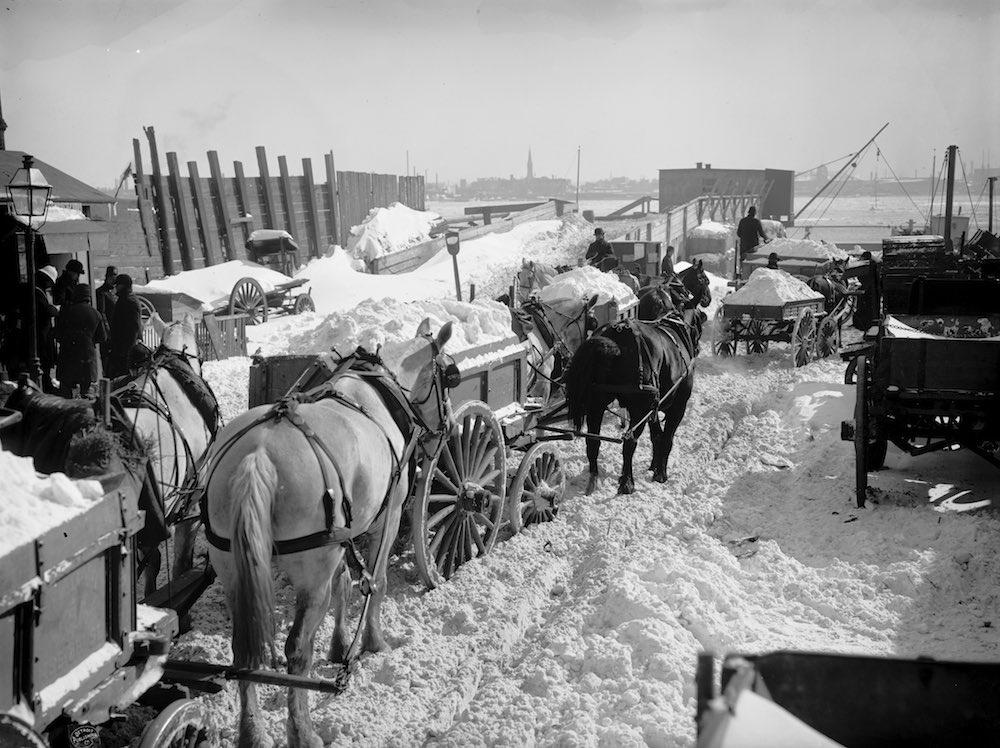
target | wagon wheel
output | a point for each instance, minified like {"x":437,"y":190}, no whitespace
{"x":870,"y":444}
{"x":827,"y":337}
{"x":804,"y":338}
{"x":16,"y":733}
{"x":459,"y":501}
{"x":757,"y":341}
{"x":303,"y":303}
{"x":146,"y":309}
{"x":180,"y":725}
{"x":249,"y":298}
{"x":537,"y":488}
{"x":723,"y":339}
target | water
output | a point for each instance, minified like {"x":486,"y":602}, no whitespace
{"x":841,"y":219}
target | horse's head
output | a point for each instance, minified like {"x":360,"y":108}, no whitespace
{"x":181,"y":337}
{"x":429,"y":373}
{"x":655,"y":301}
{"x":695,"y":280}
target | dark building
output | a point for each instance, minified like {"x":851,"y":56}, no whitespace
{"x":678,"y":186}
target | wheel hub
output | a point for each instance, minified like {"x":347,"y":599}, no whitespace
{"x":475,"y":498}
{"x":544,"y":497}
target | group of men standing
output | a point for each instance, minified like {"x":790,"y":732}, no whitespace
{"x":70,"y":331}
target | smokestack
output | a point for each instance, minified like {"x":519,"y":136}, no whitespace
{"x":3,"y":128}
{"x":697,"y":164}
{"x":708,"y":166}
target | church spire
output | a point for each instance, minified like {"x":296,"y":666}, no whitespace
{"x":531,"y":168}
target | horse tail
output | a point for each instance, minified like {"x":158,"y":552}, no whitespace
{"x":254,"y":485}
{"x":588,"y":363}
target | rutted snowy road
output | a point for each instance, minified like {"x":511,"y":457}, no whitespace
{"x":586,"y":630}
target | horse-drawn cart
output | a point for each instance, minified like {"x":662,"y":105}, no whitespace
{"x":929,"y":380}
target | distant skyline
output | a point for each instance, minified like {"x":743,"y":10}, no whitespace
{"x":468,"y":87}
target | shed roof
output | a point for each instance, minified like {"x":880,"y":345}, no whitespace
{"x":65,"y":189}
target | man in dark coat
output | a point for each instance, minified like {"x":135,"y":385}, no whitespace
{"x":126,"y":327}
{"x":869,"y":304}
{"x":105,"y":295}
{"x":749,"y":231}
{"x":599,"y":250}
{"x":63,"y":292}
{"x":772,"y":261}
{"x":79,"y":328}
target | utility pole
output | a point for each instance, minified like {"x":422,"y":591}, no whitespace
{"x":578,"y":179}
{"x":3,"y":128}
{"x":930,"y":213}
{"x":949,"y":196}
{"x":991,"y":181}
{"x":407,"y":163}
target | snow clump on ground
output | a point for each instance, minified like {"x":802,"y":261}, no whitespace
{"x":391,"y":229}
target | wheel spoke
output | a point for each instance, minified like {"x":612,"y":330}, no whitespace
{"x":482,"y":518}
{"x":440,"y":537}
{"x":484,"y":462}
{"x":477,"y":538}
{"x":439,"y":475}
{"x":489,"y":477}
{"x":440,"y":515}
{"x":449,"y":459}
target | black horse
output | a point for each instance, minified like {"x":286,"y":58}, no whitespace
{"x":686,"y":290}
{"x":649,"y":368}
{"x":830,"y":286}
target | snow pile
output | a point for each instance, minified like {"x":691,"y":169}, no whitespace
{"x":712,"y":230}
{"x":230,"y":381}
{"x":33,"y":504}
{"x":773,"y":229}
{"x":582,"y":283}
{"x":767,"y":287}
{"x":213,"y":285}
{"x":803,"y":249}
{"x":391,"y":229}
{"x":54,"y":214}
{"x":391,"y":323}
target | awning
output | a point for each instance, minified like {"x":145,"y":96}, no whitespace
{"x":67,"y":237}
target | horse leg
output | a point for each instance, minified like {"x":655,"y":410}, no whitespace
{"x":251,"y":727}
{"x":311,"y":603}
{"x":656,"y":436}
{"x":341,"y":641}
{"x":184,"y":536}
{"x":594,"y":419}
{"x":153,"y":559}
{"x":626,"y":483}
{"x":378,"y":562}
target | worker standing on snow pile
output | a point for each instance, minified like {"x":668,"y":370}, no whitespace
{"x":599,"y":250}
{"x":749,"y":231}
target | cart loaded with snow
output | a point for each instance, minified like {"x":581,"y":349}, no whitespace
{"x":928,"y":374}
{"x":817,"y":700}
{"x":76,"y":646}
{"x":774,"y":306}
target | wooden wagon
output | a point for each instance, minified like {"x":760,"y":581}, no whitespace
{"x":929,"y":380}
{"x":797,"y":322}
{"x":76,"y":647}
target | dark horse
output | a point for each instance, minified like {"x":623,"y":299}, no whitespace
{"x":686,"y":290}
{"x":832,"y":288}
{"x":649,"y":368}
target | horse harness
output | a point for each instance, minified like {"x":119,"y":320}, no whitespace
{"x":369,"y":368}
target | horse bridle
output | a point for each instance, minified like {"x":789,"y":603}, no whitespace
{"x":561,"y":345}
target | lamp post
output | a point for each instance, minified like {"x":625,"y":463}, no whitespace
{"x":28,"y":193}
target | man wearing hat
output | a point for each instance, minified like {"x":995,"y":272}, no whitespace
{"x":599,"y":250}
{"x":772,"y":261}
{"x":63,"y":292}
{"x":79,"y":328}
{"x":126,"y":327}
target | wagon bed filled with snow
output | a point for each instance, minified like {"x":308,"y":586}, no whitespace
{"x":774,"y":307}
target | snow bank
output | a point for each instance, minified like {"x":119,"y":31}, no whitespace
{"x":213,"y":285}
{"x":773,"y":229}
{"x":390,"y":229}
{"x":582,"y":283}
{"x":803,"y":249}
{"x":712,"y":230}
{"x":33,"y":504}
{"x":392,"y":324}
{"x":54,"y":214}
{"x":768,"y":287}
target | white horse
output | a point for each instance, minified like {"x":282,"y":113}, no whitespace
{"x":277,"y":481}
{"x":164,"y":417}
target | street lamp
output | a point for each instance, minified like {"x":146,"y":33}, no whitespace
{"x":28,"y":193}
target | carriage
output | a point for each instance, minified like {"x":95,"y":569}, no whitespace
{"x":277,"y":250}
{"x":928,"y":374}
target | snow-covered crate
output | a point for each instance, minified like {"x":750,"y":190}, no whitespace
{"x":68,"y":609}
{"x":495,"y":373}
{"x":609,"y":311}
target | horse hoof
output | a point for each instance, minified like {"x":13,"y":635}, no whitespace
{"x":591,"y":485}
{"x":373,"y":643}
{"x":659,"y":477}
{"x":625,"y":487}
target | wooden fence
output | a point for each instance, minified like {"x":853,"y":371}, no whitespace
{"x":194,"y":221}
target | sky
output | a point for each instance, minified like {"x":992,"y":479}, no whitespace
{"x":467,"y":87}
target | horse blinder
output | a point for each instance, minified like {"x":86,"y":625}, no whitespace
{"x":452,"y":376}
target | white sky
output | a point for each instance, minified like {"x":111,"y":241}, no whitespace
{"x":467,"y":86}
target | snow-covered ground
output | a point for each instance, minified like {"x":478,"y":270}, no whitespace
{"x":585,"y":631}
